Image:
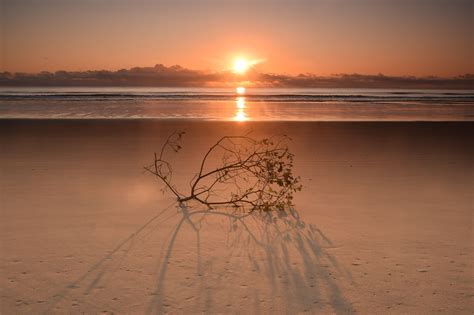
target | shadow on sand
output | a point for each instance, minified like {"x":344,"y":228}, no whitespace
{"x":272,"y":260}
{"x":279,"y":247}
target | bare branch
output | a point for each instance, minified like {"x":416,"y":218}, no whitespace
{"x":254,"y":174}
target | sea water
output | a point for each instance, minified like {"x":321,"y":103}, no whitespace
{"x":225,"y":104}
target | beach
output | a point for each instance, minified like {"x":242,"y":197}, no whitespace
{"x":384,"y":223}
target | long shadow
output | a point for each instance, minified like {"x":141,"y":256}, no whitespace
{"x":296,"y":262}
{"x":100,"y":267}
{"x":290,"y":254}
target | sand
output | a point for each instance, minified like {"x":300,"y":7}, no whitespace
{"x":384,"y":223}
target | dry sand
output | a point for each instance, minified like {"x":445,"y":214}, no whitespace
{"x":384,"y":223}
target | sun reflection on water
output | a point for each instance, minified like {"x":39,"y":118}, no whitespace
{"x":240,"y":90}
{"x":240,"y":102}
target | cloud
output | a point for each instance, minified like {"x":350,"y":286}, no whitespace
{"x":177,"y":76}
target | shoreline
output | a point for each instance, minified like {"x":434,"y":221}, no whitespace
{"x":199,"y":120}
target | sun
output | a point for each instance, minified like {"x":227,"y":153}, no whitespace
{"x":241,"y":65}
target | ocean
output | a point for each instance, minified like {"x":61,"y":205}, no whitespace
{"x":228,"y":104}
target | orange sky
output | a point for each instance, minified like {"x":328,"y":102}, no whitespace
{"x":394,"y":37}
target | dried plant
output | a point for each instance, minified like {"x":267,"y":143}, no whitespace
{"x":236,"y":171}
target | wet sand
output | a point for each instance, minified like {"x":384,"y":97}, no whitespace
{"x":384,"y":223}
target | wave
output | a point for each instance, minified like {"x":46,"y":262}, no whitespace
{"x":394,"y":96}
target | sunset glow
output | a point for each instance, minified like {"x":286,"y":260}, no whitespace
{"x":293,"y":36}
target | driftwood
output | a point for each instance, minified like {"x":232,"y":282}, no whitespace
{"x":236,"y":171}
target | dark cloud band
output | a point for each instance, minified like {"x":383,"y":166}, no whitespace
{"x":177,"y":76}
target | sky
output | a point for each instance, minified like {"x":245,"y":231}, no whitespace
{"x":322,"y":37}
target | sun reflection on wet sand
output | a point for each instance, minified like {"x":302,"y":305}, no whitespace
{"x":240,"y":114}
